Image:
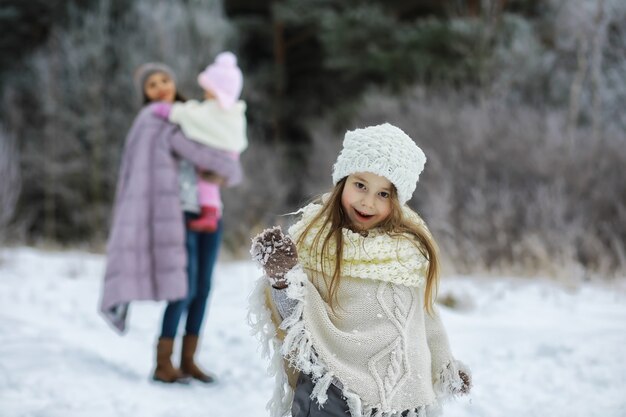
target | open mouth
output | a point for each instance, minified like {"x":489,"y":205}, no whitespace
{"x":363,"y":216}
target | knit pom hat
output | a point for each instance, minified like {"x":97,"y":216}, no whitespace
{"x":383,"y":150}
{"x":143,"y":72}
{"x":223,"y":78}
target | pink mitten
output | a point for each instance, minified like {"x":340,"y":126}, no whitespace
{"x":162,"y":110}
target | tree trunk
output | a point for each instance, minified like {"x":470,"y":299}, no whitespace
{"x":279,"y":81}
{"x":597,"y":82}
{"x":576,"y":87}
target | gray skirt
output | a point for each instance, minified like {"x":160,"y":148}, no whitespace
{"x":304,"y":406}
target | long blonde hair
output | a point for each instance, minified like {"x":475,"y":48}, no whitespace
{"x":396,"y":224}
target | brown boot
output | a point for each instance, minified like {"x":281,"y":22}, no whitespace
{"x":165,"y":371}
{"x":187,"y":365}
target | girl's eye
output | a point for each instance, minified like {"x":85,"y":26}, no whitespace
{"x":384,"y":194}
{"x":359,"y":185}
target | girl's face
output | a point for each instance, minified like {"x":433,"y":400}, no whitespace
{"x":209,"y":95}
{"x":366,"y":199}
{"x":160,"y":87}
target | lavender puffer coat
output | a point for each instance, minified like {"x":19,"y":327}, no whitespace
{"x":146,"y":257}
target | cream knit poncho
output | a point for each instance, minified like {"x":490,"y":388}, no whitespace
{"x":379,"y":346}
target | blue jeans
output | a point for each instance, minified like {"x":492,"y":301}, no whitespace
{"x":202,"y":250}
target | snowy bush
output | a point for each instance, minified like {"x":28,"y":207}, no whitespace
{"x":519,"y":110}
{"x":505,"y":186}
{"x":74,"y":102}
{"x":260,"y":200}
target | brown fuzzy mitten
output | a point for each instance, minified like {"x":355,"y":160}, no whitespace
{"x":467,"y":382}
{"x":276,"y":253}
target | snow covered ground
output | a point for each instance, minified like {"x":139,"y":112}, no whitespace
{"x":536,"y":349}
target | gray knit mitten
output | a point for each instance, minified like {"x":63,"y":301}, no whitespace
{"x":276,"y":253}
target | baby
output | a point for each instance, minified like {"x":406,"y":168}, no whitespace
{"x":219,"y":121}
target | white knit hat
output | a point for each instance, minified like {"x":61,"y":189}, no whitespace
{"x":383,"y":150}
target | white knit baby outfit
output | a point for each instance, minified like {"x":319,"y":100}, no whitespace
{"x":208,"y":123}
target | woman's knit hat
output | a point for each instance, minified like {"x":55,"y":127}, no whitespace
{"x":223,"y":78}
{"x":143,"y":72}
{"x":383,"y":150}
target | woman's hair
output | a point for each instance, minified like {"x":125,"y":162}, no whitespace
{"x":396,"y":224}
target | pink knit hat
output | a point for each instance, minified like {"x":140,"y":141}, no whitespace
{"x":223,"y":78}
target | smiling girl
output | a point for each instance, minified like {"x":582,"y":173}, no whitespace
{"x":353,"y":288}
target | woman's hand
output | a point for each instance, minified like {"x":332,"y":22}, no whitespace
{"x":162,"y":110}
{"x":276,"y":253}
{"x":212,"y":177}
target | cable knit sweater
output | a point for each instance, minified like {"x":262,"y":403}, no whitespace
{"x":379,"y":345}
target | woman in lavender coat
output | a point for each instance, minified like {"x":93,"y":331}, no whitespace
{"x":150,"y":253}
